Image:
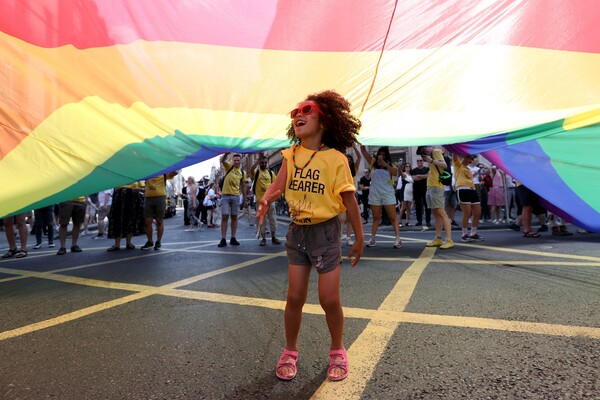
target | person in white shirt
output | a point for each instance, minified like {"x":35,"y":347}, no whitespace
{"x":104,"y":203}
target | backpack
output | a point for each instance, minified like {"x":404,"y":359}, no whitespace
{"x":222,"y":180}
{"x":445,"y":175}
{"x":256,"y":177}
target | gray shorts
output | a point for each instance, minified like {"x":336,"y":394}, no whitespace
{"x":316,"y":245}
{"x":435,"y":198}
{"x":230,"y":204}
{"x":154,"y":207}
{"x":450,"y":198}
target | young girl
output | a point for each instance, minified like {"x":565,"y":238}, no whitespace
{"x":318,"y":186}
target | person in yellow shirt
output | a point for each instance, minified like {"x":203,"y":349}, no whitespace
{"x":318,"y":186}
{"x":468,"y":197}
{"x":155,"y":203}
{"x":263,"y":178}
{"x":435,"y":196}
{"x":233,"y":187}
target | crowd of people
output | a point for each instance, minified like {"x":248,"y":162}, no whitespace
{"x":131,"y":209}
{"x":409,"y":196}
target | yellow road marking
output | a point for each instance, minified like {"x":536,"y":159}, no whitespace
{"x":72,"y":315}
{"x":515,"y":262}
{"x":131,"y":287}
{"x":532,"y":252}
{"x":96,"y":264}
{"x":145,"y":292}
{"x":366,"y":351}
{"x":538,"y":328}
{"x":220,"y":271}
{"x":507,"y":250}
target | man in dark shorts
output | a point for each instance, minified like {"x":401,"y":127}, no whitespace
{"x":155,"y":203}
{"x":67,"y":210}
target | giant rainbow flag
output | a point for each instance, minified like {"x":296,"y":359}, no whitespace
{"x":98,"y":93}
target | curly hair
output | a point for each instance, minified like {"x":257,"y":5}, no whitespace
{"x":341,"y":127}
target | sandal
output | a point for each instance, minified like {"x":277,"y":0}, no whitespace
{"x":531,"y":234}
{"x":565,"y":231}
{"x":292,"y":358}
{"x":10,"y":253}
{"x":335,"y":362}
{"x":21,"y":254}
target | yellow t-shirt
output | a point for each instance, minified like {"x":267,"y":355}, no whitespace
{"x":314,"y":193}
{"x":231,"y":184}
{"x":263,"y":181}
{"x":462,"y":174}
{"x":433,"y":178}
{"x":80,"y":199}
{"x":155,"y":187}
{"x":133,"y":185}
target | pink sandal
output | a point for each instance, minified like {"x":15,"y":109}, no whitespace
{"x":333,"y":363}
{"x":290,"y":362}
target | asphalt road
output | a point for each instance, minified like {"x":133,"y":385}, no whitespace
{"x":507,"y":318}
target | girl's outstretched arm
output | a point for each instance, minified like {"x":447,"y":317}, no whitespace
{"x":353,"y":213}
{"x":273,"y":192}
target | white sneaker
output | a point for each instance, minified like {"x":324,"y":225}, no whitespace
{"x":397,"y":243}
{"x":371,"y":243}
{"x":349,"y":242}
{"x":189,"y":230}
{"x":38,"y":246}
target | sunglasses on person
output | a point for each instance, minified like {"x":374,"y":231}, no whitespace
{"x":305,"y":110}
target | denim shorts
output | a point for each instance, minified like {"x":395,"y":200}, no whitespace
{"x":317,"y":245}
{"x":230,"y":204}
